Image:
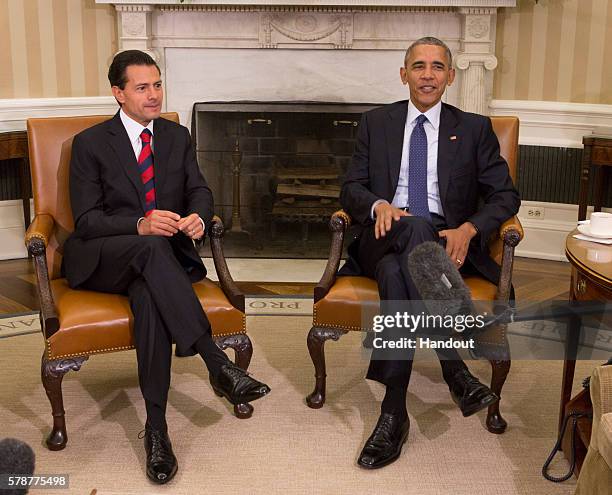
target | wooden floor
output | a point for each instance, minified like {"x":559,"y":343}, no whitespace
{"x":533,"y":280}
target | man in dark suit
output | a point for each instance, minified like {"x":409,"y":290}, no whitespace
{"x":423,"y":171}
{"x":139,"y":201}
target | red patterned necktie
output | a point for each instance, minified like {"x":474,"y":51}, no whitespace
{"x":147,"y":174}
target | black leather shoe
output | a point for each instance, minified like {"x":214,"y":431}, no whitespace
{"x":237,"y":386}
{"x":385,"y":443}
{"x":161,"y":462}
{"x":469,"y":394}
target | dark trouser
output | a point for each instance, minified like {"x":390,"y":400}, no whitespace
{"x":385,"y":260}
{"x":163,"y":302}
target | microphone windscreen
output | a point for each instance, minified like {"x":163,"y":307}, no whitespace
{"x":438,"y":281}
{"x":16,"y":458}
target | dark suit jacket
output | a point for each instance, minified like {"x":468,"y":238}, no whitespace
{"x":473,"y":178}
{"x":107,"y":195}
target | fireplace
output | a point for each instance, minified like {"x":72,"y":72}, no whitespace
{"x":275,"y":169}
{"x":290,"y":50}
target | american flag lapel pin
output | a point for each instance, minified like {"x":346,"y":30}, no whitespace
{"x":453,"y":138}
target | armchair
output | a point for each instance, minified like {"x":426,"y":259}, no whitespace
{"x":339,"y":301}
{"x":78,"y":323}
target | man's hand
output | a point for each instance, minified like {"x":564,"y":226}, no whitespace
{"x":160,"y":222}
{"x":458,"y":241}
{"x":191,"y":226}
{"x":385,"y":215}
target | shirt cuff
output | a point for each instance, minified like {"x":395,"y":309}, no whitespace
{"x":138,"y":223}
{"x":374,"y":205}
{"x":203,"y":229}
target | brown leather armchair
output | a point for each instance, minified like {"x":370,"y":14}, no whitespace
{"x":78,"y":323}
{"x":340,"y":301}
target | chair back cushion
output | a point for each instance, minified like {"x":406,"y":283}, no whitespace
{"x":50,"y":145}
{"x":507,"y":131}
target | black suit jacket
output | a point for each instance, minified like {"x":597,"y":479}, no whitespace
{"x":107,"y":195}
{"x":473,"y":179}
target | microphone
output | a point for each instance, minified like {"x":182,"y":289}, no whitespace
{"x":438,"y":281}
{"x":16,"y":459}
{"x":444,"y":293}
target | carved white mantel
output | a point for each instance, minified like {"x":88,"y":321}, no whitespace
{"x":195,"y":41}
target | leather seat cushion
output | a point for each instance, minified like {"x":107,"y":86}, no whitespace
{"x":352,"y":301}
{"x":94,"y":322}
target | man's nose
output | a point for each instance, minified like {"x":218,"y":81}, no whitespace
{"x":427,"y":73}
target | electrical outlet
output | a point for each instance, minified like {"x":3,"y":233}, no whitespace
{"x":535,"y":212}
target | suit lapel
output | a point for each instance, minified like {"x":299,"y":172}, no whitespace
{"x":448,"y":143}
{"x":394,"y":131}
{"x":120,"y":142}
{"x":162,"y":146}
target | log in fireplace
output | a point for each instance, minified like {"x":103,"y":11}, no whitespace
{"x":275,"y":169}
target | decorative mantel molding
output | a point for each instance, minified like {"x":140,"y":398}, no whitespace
{"x":161,"y":26}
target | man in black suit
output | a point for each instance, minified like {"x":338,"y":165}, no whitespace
{"x":423,"y":171}
{"x":139,"y":201}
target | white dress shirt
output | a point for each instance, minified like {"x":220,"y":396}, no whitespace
{"x":134,"y":130}
{"x":432,"y":130}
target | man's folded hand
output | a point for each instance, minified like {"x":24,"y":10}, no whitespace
{"x":160,"y":222}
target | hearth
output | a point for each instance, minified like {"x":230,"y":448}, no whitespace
{"x":275,"y":169}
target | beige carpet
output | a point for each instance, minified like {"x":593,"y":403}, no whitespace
{"x":285,"y":447}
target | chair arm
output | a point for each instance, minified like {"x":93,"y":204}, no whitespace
{"x":40,"y":228}
{"x":511,"y":228}
{"x":36,"y":240}
{"x":338,"y":224}
{"x":228,"y":286}
{"x":510,"y":233}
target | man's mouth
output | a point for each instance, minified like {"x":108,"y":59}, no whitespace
{"x":427,"y":89}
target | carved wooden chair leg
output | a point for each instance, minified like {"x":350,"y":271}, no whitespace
{"x":52,"y":374}
{"x":495,"y":422}
{"x":243,"y":352}
{"x":316,"y":342}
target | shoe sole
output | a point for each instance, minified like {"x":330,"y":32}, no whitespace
{"x":391,"y":459}
{"x":490,"y":400}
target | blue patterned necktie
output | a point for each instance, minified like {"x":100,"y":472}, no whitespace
{"x":417,"y":170}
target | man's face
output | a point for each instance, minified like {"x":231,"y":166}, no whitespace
{"x":142,"y":97}
{"x":427,"y":74}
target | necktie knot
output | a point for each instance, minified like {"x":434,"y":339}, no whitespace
{"x":145,"y":135}
{"x":421,"y":119}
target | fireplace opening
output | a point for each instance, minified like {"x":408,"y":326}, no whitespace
{"x":275,"y":170}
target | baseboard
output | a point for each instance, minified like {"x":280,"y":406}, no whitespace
{"x":15,"y":112}
{"x":557,"y":124}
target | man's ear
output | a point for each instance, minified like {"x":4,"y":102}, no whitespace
{"x":404,"y":75}
{"x":118,"y":94}
{"x":451,"y":76}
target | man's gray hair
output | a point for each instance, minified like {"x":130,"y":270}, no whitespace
{"x":430,"y":40}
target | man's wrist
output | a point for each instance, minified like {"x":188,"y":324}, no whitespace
{"x":470,"y":229}
{"x":374,"y":205}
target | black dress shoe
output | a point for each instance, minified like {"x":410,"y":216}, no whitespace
{"x":237,"y":386}
{"x":469,"y":394}
{"x":385,"y":443}
{"x":161,"y":462}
